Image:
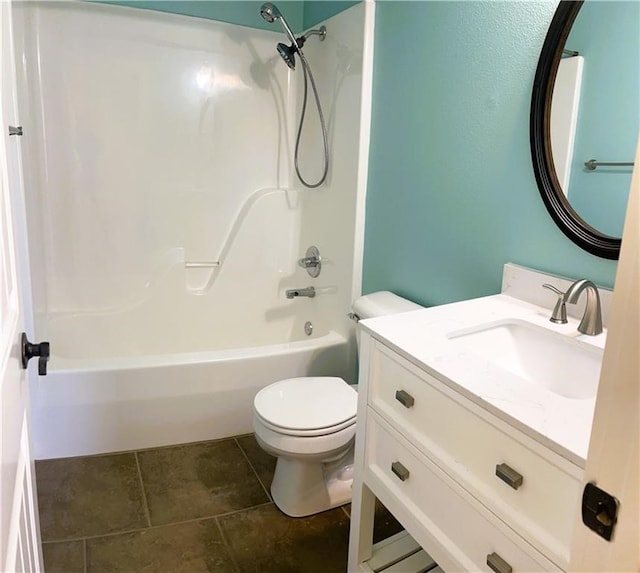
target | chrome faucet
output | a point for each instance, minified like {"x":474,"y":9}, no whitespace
{"x":591,"y":323}
{"x":295,"y":292}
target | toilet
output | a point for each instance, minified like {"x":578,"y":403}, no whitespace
{"x":309,"y":424}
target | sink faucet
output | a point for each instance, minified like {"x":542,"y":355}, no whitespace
{"x":592,"y":319}
{"x":294,"y":292}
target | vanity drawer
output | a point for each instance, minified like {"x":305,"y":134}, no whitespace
{"x":472,"y":450}
{"x":441,"y":516}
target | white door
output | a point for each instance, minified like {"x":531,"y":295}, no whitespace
{"x":612,"y":462}
{"x":19,"y":529}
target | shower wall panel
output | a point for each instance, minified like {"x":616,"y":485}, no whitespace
{"x":150,"y":132}
{"x":333,"y":215}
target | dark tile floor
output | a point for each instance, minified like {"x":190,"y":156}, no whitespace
{"x":190,"y":508}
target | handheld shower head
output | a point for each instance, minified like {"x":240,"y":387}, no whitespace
{"x":271,"y":13}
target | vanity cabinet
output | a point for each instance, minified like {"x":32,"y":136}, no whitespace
{"x":474,"y":491}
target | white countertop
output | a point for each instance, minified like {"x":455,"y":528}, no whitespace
{"x":560,"y":423}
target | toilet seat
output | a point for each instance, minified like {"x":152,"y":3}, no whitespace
{"x":305,"y":433}
{"x":319,"y":448}
{"x":310,"y":406}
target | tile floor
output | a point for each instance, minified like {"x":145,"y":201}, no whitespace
{"x":189,"y":508}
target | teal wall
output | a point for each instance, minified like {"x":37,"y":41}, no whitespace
{"x":242,"y":12}
{"x":607,"y":34}
{"x":316,"y":11}
{"x":300,"y":14}
{"x":451,"y":193}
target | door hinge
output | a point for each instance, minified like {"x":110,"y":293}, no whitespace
{"x":599,"y":510}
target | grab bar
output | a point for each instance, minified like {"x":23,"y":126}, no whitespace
{"x":201,"y":264}
{"x":593,"y":164}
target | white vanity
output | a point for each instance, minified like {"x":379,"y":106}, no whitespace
{"x":473,"y":426}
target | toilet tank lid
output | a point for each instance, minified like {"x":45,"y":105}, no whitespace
{"x":382,"y":303}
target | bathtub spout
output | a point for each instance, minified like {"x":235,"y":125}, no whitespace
{"x":294,"y":292}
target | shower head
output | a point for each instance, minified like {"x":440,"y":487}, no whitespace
{"x":288,"y":55}
{"x":270,"y":13}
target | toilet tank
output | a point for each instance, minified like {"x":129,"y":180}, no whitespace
{"x":380,"y":304}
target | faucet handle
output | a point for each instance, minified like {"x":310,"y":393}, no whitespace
{"x":559,"y":314}
{"x":552,"y":288}
{"x":312,"y":261}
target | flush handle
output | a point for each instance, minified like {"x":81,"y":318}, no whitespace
{"x":30,"y":350}
{"x":509,"y":476}
{"x":405,"y":398}
{"x":498,"y":564}
{"x":401,"y":472}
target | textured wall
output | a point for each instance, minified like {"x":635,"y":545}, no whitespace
{"x":452,"y":194}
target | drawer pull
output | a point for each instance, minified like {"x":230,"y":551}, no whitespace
{"x":400,"y":471}
{"x":509,"y":476}
{"x":498,"y":564}
{"x":405,"y":398}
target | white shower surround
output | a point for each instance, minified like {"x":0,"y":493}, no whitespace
{"x":155,"y":131}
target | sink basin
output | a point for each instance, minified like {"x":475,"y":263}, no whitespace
{"x":561,"y":364}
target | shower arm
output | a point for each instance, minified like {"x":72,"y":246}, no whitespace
{"x":321,"y":32}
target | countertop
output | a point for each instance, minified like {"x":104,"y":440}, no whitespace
{"x":422,"y":336}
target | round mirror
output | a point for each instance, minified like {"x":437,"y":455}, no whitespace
{"x":585,"y":118}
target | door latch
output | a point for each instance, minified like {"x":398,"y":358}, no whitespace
{"x":30,"y":350}
{"x":599,"y":510}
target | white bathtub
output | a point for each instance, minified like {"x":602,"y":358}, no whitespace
{"x":109,"y":405}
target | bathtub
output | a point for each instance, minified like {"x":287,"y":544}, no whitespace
{"x":178,"y":355}
{"x":89,"y":406}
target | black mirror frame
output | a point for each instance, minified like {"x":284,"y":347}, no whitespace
{"x":569,"y":222}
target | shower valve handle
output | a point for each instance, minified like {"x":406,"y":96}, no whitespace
{"x":308,"y":262}
{"x":312,"y":261}
{"x":29,"y":350}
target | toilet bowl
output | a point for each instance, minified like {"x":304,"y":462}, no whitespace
{"x":309,"y":424}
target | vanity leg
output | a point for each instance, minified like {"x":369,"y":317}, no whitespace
{"x":363,"y":505}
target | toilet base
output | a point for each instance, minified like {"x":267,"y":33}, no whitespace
{"x":301,"y":488}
